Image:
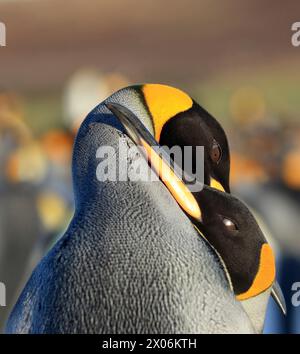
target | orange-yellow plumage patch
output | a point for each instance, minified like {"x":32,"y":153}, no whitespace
{"x":265,"y":275}
{"x":217,"y":185}
{"x":164,"y":102}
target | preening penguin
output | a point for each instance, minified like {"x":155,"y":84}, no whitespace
{"x":224,"y":221}
{"x":131,"y":260}
{"x":175,"y":119}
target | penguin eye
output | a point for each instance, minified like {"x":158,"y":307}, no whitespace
{"x":229,"y":224}
{"x":216,"y":152}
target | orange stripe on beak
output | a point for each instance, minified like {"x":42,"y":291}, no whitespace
{"x":141,"y":136}
{"x":177,"y":188}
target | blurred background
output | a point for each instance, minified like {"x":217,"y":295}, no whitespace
{"x":63,"y":57}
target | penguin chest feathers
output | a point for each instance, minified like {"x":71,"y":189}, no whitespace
{"x":256,"y":308}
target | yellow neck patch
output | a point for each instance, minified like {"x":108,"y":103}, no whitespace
{"x":217,"y":185}
{"x":164,"y":102}
{"x":265,"y":275}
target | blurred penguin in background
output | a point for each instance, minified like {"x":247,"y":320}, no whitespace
{"x":19,"y":220}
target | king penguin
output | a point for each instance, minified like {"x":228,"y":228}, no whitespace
{"x":130,"y":261}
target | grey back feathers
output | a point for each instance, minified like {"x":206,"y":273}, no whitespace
{"x":130,"y":261}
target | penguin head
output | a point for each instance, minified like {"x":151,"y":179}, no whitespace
{"x":223,"y":221}
{"x":196,"y":127}
{"x":231,"y":229}
{"x":248,"y":260}
{"x":175,"y":119}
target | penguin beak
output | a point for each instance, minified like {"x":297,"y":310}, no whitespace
{"x":133,"y":126}
{"x":157,"y":158}
{"x":278,"y":297}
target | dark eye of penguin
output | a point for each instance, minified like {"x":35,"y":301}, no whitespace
{"x":230,"y":225}
{"x":216,"y":152}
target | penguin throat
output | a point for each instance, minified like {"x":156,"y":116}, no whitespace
{"x":265,"y":275}
{"x":219,"y":257}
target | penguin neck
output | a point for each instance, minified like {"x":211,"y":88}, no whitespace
{"x":97,"y":130}
{"x":101,"y":128}
{"x":256,"y":308}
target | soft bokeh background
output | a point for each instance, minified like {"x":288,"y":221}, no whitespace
{"x":64,"y":57}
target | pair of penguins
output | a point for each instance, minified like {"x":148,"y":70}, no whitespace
{"x":151,"y":257}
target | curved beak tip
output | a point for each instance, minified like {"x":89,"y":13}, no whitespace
{"x":278,"y":297}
